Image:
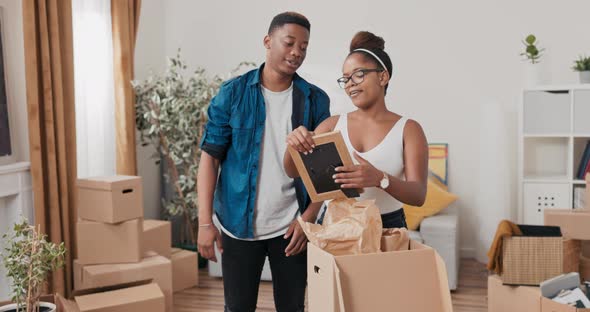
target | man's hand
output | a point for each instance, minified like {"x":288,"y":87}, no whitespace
{"x":298,"y":241}
{"x":207,"y":237}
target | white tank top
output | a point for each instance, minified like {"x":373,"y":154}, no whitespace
{"x":387,"y":156}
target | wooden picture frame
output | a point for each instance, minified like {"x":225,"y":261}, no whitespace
{"x":316,"y":169}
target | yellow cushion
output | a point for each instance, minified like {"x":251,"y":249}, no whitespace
{"x":437,"y":199}
{"x":438,"y":182}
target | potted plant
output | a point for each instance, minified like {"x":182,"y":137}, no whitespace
{"x":171,"y":112}
{"x":28,"y":258}
{"x":532,"y":55}
{"x":582,"y":65}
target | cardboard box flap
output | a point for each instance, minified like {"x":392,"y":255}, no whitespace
{"x":109,"y":183}
{"x":320,"y":268}
{"x":123,"y":271}
{"x":443,"y":279}
{"x":119,"y":297}
{"x":400,"y":287}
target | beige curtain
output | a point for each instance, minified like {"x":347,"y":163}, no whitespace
{"x":125,"y":19}
{"x":47,"y":26}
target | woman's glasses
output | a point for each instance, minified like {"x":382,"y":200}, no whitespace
{"x":356,"y":77}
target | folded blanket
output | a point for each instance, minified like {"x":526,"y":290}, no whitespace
{"x":505,"y":229}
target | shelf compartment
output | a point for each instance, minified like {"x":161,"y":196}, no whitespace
{"x":581,"y":112}
{"x":546,"y":159}
{"x":547,"y":112}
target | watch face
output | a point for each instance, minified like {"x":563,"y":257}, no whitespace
{"x":384,"y":182}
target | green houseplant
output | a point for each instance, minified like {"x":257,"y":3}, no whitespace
{"x":171,"y":115}
{"x":28,"y":258}
{"x":532,"y":53}
{"x":582,"y":65}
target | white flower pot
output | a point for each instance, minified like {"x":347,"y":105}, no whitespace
{"x":12,"y":307}
{"x":532,"y":75}
{"x":585,"y":76}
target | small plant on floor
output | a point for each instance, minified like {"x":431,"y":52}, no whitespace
{"x":582,"y":64}
{"x":171,"y":112}
{"x":28,"y":258}
{"x":531,"y":53}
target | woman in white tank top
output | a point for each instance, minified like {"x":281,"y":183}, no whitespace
{"x":390,"y":152}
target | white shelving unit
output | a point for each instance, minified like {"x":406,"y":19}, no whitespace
{"x":554,"y":126}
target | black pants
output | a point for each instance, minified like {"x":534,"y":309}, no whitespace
{"x":242,"y":263}
{"x":395,"y":219}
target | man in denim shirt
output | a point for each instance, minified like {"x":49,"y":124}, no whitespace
{"x":256,"y":204}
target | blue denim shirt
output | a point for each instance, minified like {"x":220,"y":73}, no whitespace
{"x":233,"y":135}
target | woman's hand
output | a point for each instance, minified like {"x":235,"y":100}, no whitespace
{"x":358,"y":176}
{"x":301,"y":140}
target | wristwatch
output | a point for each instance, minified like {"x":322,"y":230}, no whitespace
{"x":384,"y":181}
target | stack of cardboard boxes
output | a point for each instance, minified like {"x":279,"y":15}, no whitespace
{"x":116,"y":246}
{"x":575,"y":227}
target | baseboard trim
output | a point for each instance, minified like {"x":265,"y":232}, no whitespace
{"x":467,"y":252}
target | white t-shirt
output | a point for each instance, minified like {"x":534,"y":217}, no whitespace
{"x":276,"y":201}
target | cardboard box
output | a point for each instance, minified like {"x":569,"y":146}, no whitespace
{"x":574,"y":224}
{"x":506,"y":298}
{"x":65,"y":305}
{"x":110,"y":199}
{"x":157,"y":237}
{"x":156,"y":268}
{"x":102,"y":243}
{"x":571,"y":255}
{"x":410,"y":280}
{"x":185,"y":269}
{"x":548,"y":305}
{"x":145,"y":298}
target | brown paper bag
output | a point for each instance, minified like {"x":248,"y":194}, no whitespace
{"x":395,"y":239}
{"x":350,"y":227}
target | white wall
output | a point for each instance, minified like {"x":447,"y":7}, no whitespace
{"x":150,"y":56}
{"x":457,"y":70}
{"x":14,"y":66}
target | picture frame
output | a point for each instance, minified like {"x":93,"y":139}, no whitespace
{"x":316,"y":169}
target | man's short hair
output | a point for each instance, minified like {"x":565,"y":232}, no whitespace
{"x":288,"y":18}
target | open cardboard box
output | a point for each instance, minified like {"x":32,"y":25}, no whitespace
{"x":138,"y":297}
{"x":548,"y":305}
{"x":408,"y":280}
{"x":155,"y":267}
{"x":508,"y":298}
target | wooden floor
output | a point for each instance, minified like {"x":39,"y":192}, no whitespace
{"x":471,"y":295}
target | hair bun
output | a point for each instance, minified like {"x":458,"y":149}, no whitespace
{"x":367,"y":40}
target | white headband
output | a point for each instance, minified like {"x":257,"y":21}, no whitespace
{"x":374,"y":55}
